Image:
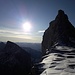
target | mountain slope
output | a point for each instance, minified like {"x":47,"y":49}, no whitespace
{"x":35,"y":46}
{"x":14,"y":60}
{"x":58,"y":63}
{"x":35,"y":55}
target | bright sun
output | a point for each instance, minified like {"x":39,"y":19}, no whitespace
{"x":27,"y":26}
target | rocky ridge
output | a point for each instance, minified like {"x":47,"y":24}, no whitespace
{"x":60,"y":31}
{"x":14,"y":60}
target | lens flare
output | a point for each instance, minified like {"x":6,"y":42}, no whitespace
{"x":27,"y":26}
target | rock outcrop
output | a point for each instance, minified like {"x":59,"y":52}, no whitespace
{"x":60,"y":31}
{"x":2,"y":45}
{"x":14,"y":60}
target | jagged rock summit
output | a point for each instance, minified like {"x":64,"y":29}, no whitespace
{"x":60,"y":31}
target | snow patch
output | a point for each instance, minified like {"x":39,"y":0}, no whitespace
{"x":59,"y":64}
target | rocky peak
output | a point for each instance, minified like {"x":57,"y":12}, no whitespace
{"x":61,"y":12}
{"x":61,"y":15}
{"x":59,"y":31}
{"x":14,"y":60}
{"x":12,"y":46}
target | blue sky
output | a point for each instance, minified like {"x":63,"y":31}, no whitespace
{"x":13,"y":13}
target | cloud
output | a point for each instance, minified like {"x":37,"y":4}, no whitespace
{"x":41,"y":31}
{"x":14,"y":39}
{"x":15,"y":34}
{"x":19,"y":36}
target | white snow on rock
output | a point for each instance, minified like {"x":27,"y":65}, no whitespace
{"x":59,"y":63}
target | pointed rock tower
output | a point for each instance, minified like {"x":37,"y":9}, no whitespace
{"x":60,"y":31}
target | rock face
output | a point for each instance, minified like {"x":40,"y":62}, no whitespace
{"x":14,"y":60}
{"x":60,"y":31}
{"x":2,"y":45}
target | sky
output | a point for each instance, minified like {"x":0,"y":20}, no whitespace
{"x":39,"y":13}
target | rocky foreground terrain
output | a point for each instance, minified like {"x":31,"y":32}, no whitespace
{"x":61,"y":62}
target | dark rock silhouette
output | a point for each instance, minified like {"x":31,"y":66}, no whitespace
{"x":14,"y":60}
{"x":35,"y":55}
{"x":2,"y":45}
{"x":60,"y":31}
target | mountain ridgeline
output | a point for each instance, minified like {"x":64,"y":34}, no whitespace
{"x":17,"y":60}
{"x":60,"y":31}
{"x":14,"y":60}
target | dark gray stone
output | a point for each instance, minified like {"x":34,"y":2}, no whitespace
{"x":60,"y":31}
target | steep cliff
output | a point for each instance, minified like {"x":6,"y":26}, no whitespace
{"x":60,"y":31}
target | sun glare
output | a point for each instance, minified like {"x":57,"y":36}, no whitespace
{"x":27,"y":26}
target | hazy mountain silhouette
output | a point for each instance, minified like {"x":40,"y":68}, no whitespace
{"x":35,"y":46}
{"x":35,"y":55}
{"x":60,"y":31}
{"x":14,"y":60}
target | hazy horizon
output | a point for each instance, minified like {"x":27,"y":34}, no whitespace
{"x":26,"y":20}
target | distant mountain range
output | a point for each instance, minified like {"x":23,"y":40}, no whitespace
{"x":35,"y":55}
{"x":13,"y":58}
{"x":35,"y":46}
